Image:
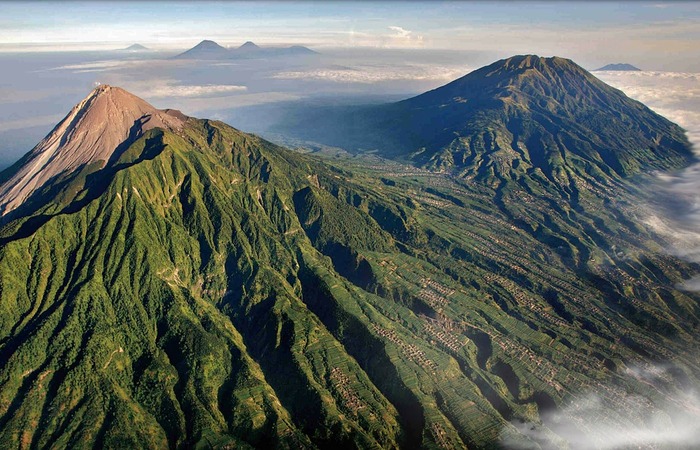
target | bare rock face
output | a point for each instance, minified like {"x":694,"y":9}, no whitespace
{"x":89,"y":134}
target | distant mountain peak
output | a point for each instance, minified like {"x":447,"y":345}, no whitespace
{"x":136,"y":48}
{"x":300,"y":49}
{"x":89,"y":135}
{"x":249,"y":45}
{"x":620,"y":66}
{"x":208,"y":44}
{"x":210,"y":50}
{"x":206,"y":49}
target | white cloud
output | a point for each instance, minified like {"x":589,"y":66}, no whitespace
{"x":675,"y":95}
{"x":691,"y":285}
{"x":93,"y":66}
{"x":397,"y":37}
{"x":167,"y":90}
{"x":675,"y":215}
{"x":677,"y":226}
{"x":163,"y":94}
{"x":369,"y":74}
{"x":400,"y":32}
{"x":610,"y":418}
{"x":32,"y":93}
{"x":402,"y":37}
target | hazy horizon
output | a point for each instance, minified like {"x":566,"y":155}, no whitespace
{"x":53,"y":53}
{"x":593,"y":33}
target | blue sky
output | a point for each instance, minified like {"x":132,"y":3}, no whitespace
{"x":567,"y":28}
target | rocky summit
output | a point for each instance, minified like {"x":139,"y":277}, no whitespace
{"x":94,"y":133}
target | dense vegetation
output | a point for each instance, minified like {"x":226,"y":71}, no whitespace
{"x":212,"y":290}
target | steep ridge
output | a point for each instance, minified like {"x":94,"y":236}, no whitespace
{"x":108,"y":119}
{"x":216,"y":290}
{"x":188,"y":217}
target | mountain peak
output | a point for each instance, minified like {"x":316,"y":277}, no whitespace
{"x":103,"y":88}
{"x":206,"y":49}
{"x":136,"y":48}
{"x":513,"y":116}
{"x":532,"y":102}
{"x":89,"y":135}
{"x":106,"y":101}
{"x":534,"y":61}
{"x":620,"y":66}
{"x":249,"y":45}
{"x":523,"y":63}
{"x":520,"y":73}
{"x":208,"y":45}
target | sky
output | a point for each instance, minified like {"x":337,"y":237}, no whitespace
{"x":591,"y":32}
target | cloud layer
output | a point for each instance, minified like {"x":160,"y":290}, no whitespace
{"x":94,"y":66}
{"x":370,"y":74}
{"x":209,"y":90}
{"x":610,"y":418}
{"x":674,"y":95}
{"x":675,"y":212}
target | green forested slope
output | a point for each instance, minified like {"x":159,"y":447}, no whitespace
{"x":122,"y":321}
{"x":212,"y":290}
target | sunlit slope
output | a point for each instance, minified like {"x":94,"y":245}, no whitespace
{"x":94,"y":133}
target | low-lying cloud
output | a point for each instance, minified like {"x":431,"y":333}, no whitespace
{"x":663,"y":412}
{"x":676,"y":212}
{"x":674,"y":95}
{"x":94,"y":66}
{"x":370,"y":74}
{"x":19,"y":124}
{"x":608,"y":418}
{"x":195,"y":90}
